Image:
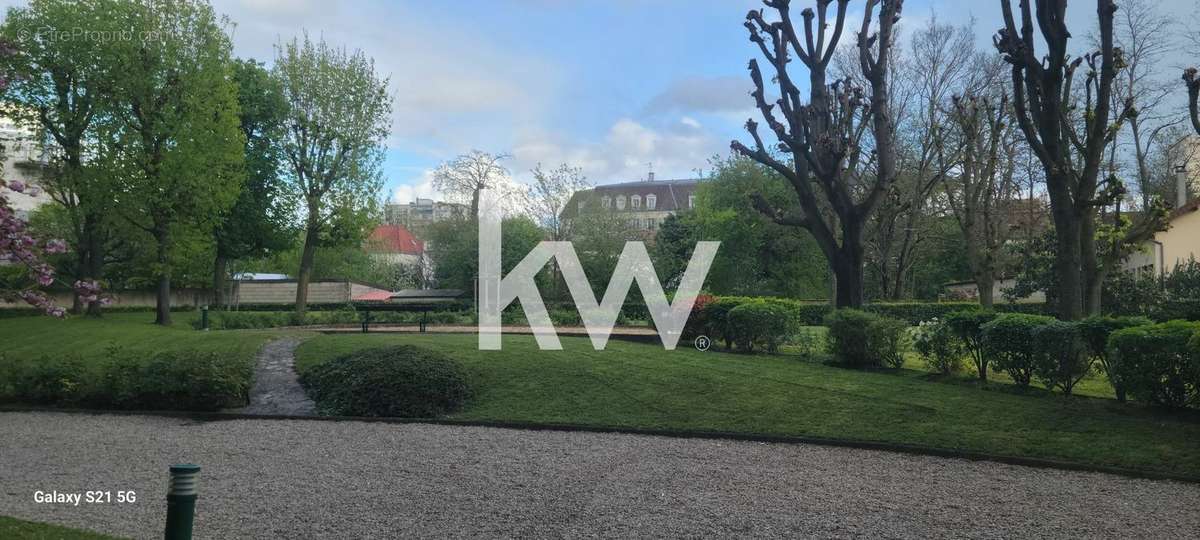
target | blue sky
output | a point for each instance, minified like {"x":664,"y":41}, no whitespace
{"x":607,"y":85}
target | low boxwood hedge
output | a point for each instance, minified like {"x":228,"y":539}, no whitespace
{"x":183,"y":381}
{"x":860,"y":339}
{"x":400,"y":381}
{"x":1159,"y":363}
{"x":1011,"y":341}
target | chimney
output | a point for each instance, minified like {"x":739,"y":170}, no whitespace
{"x":1181,"y":185}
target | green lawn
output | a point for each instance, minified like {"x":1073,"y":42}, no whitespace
{"x":16,"y":529}
{"x":643,"y":386}
{"x":33,"y":337}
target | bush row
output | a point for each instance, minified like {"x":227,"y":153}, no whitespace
{"x":191,"y":381}
{"x":242,"y":320}
{"x":1155,"y":363}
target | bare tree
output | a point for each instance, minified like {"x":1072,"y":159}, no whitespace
{"x":938,"y":64}
{"x":819,"y":141}
{"x":1144,"y":38}
{"x":1191,"y":77}
{"x":1069,"y":134}
{"x":981,"y":194}
{"x":549,"y":194}
{"x":465,"y":176}
{"x":1192,"y":80}
{"x":547,"y":199}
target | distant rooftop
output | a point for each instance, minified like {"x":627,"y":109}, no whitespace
{"x":647,"y":183}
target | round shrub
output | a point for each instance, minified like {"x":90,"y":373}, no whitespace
{"x":941,"y":348}
{"x":1159,"y":363}
{"x":716,"y":314}
{"x":762,"y":323}
{"x":967,"y":325}
{"x":1095,"y":332}
{"x":1062,"y":359}
{"x":404,"y":380}
{"x":697,"y":323}
{"x":859,"y":339}
{"x":1011,"y":342}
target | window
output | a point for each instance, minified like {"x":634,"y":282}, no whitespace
{"x":620,"y":202}
{"x":605,"y":202}
{"x":635,"y":201}
{"x":691,"y":201}
{"x":651,"y":202}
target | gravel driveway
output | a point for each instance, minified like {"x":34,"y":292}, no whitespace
{"x":309,"y":479}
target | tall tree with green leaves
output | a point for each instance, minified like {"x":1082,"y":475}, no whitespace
{"x":176,"y":134}
{"x":56,"y":85}
{"x":339,"y":113}
{"x":261,"y":219}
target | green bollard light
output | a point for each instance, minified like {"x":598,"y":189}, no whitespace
{"x":181,"y":501}
{"x":204,"y":318}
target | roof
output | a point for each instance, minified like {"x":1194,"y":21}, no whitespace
{"x":395,"y":239}
{"x":426,"y":297}
{"x":428,"y":293}
{"x":670,"y":195}
{"x":373,"y":296}
{"x":259,"y":276}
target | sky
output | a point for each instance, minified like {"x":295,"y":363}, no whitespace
{"x":615,"y":87}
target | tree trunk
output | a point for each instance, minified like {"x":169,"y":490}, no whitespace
{"x":848,"y":269}
{"x":1068,"y":262}
{"x":163,"y":300}
{"x":306,"y":265}
{"x":985,"y":281}
{"x":81,"y":264}
{"x":220,"y":267}
{"x":95,"y":258}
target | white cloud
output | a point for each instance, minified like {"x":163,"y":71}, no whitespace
{"x":421,"y":187}
{"x":625,"y":152}
{"x":705,"y":94}
{"x":454,"y":88}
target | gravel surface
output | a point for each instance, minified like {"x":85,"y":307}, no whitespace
{"x":314,"y":479}
{"x":276,"y":387}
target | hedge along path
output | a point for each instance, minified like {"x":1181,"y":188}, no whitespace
{"x":277,"y":389}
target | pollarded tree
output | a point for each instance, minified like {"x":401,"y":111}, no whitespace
{"x":1192,"y":79}
{"x":1068,"y":128}
{"x":260,"y":220}
{"x":175,"y":134}
{"x":819,"y":150}
{"x":339,"y":113}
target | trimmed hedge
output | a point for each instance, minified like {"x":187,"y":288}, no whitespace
{"x":244,"y":320}
{"x":1062,"y":355}
{"x":859,"y":339}
{"x":1010,"y":339}
{"x":762,"y":323}
{"x":913,"y":313}
{"x":185,"y":381}
{"x":941,"y":348}
{"x":401,"y":381}
{"x":967,"y":325}
{"x":1160,"y":363}
{"x":1095,"y":332}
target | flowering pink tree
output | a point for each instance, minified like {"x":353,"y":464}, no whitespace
{"x":18,"y":246}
